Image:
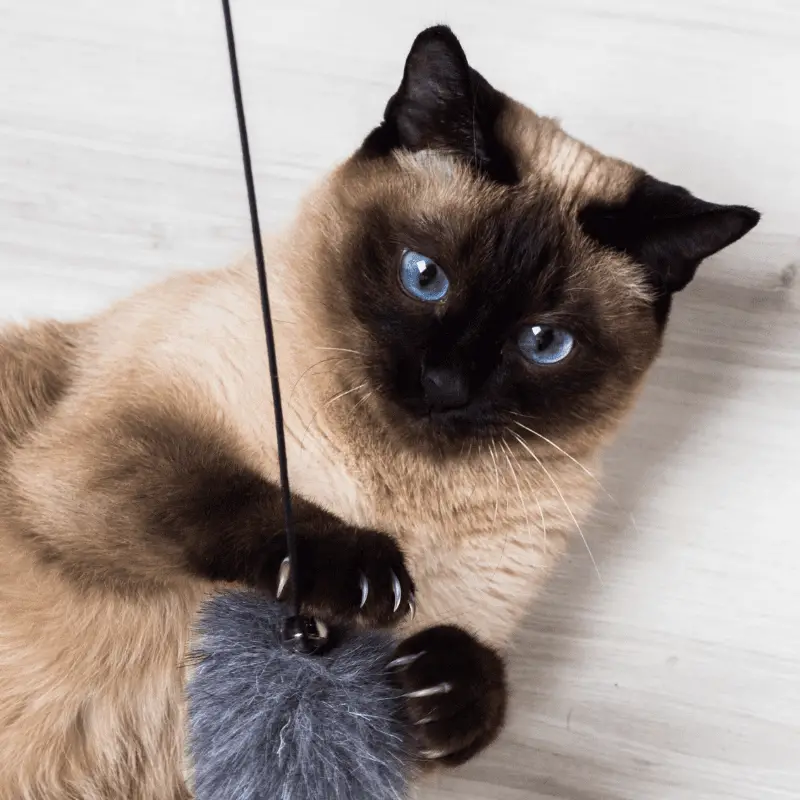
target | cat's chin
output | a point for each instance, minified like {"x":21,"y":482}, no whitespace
{"x":460,"y":426}
{"x":442,"y":432}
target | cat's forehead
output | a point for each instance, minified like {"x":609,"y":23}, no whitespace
{"x":546,"y":155}
{"x":453,"y":210}
{"x":546,"y":158}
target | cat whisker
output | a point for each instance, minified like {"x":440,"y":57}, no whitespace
{"x":341,"y":350}
{"x":506,"y":452}
{"x":313,"y":366}
{"x":327,"y":404}
{"x":575,"y":461}
{"x":493,"y":454}
{"x":341,"y":395}
{"x":563,"y":500}
{"x":535,"y":494}
{"x":363,"y":400}
{"x":509,"y":455}
{"x":541,"y":510}
{"x":491,"y":447}
{"x":556,"y":446}
{"x":519,"y":487}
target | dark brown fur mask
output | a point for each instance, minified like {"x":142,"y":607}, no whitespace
{"x":489,"y":268}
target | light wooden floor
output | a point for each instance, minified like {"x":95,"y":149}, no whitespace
{"x":678,"y":676}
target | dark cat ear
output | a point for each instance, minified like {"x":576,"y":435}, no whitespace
{"x":667,"y":229}
{"x":443,"y":104}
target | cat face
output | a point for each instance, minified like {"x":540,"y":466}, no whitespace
{"x":495,"y":275}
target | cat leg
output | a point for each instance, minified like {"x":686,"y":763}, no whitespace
{"x":141,"y":497}
{"x":454,"y":681}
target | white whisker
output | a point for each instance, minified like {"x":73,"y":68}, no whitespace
{"x":341,"y":395}
{"x":363,"y":400}
{"x":314,"y":366}
{"x":572,"y":459}
{"x":519,"y":488}
{"x":557,"y":447}
{"x":535,"y":494}
{"x":541,"y":510}
{"x":493,"y":454}
{"x":563,"y":500}
{"x":333,"y":399}
{"x":341,"y":350}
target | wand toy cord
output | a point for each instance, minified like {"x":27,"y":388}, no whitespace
{"x":302,"y":634}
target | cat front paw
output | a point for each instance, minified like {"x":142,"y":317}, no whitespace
{"x":348,"y":576}
{"x":454,"y":689}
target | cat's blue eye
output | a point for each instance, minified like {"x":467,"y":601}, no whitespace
{"x":544,"y":344}
{"x":422,"y":278}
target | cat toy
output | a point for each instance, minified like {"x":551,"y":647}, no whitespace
{"x":276,"y":710}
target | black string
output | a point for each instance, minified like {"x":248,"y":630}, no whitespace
{"x":291,"y":543}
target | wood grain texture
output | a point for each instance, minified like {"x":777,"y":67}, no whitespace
{"x":675,"y":677}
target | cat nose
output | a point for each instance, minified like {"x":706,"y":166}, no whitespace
{"x":445,"y":388}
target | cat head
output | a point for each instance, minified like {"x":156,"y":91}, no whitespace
{"x":492,"y":272}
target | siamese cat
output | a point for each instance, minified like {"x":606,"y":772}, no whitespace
{"x":465,"y":310}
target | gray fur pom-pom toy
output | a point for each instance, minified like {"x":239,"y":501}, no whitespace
{"x":266,"y":723}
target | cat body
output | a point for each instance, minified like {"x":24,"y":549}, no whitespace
{"x":137,"y":449}
{"x":91,"y":679}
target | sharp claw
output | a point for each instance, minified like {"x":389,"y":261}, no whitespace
{"x":398,"y":591}
{"x":430,"y":691}
{"x":283,"y":577}
{"x":404,"y":661}
{"x":412,"y":607}
{"x":364,"y":590}
{"x":433,"y":754}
